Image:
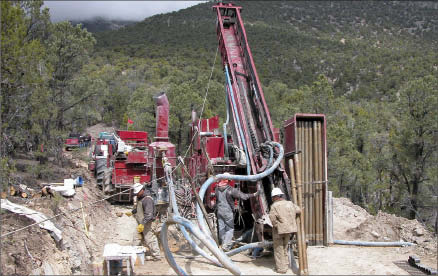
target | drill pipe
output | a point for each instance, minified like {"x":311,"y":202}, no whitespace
{"x":300,"y":203}
{"x":299,"y":233}
{"x":316,"y":181}
{"x":319,"y":184}
{"x":305,"y":180}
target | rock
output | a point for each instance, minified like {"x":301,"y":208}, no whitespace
{"x":375,"y":234}
{"x":36,"y":271}
{"x":418,"y":232}
{"x":47,"y":269}
{"x":119,"y":214}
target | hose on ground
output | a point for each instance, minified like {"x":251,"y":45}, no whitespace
{"x":219,"y":254}
{"x":376,"y":244}
{"x":168,"y":174}
{"x":249,"y":246}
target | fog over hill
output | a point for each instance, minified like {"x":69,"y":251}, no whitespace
{"x":112,"y":10}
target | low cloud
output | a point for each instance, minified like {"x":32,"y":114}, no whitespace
{"x":118,"y":10}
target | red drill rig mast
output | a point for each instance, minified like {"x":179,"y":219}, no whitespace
{"x":252,"y":126}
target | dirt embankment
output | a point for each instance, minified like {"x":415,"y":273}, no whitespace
{"x":351,"y":222}
{"x":33,"y":250}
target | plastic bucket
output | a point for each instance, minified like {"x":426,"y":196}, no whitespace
{"x":79,"y":181}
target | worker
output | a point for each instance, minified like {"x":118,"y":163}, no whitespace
{"x":145,"y":215}
{"x":283,"y":218}
{"x":225,"y":195}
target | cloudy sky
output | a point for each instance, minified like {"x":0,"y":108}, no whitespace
{"x":132,"y":10}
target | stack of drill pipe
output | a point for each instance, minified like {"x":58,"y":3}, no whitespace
{"x":309,"y":141}
{"x":300,"y":230}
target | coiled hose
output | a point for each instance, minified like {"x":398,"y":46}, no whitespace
{"x":202,"y":233}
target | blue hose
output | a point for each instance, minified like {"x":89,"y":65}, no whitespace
{"x":227,"y":103}
{"x":218,"y":177}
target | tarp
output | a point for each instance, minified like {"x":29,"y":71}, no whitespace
{"x":34,"y":215}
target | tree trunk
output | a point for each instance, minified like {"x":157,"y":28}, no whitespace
{"x":414,"y":200}
{"x":436,"y":221}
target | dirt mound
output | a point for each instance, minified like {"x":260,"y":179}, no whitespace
{"x":346,"y":216}
{"x":351,"y":222}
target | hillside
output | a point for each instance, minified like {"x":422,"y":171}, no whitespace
{"x":358,"y":62}
{"x":355,"y":44}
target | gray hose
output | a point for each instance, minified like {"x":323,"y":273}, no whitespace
{"x":203,"y":236}
{"x":377,"y":244}
{"x":167,"y":170}
{"x":249,"y":246}
{"x":167,"y":253}
{"x":219,"y":254}
{"x":218,"y":177}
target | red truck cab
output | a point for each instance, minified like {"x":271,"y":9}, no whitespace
{"x":72,"y":141}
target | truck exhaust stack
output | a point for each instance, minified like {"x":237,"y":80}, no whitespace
{"x":162,"y":118}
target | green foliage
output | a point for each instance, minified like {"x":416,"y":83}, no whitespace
{"x":39,"y":78}
{"x":7,"y":168}
{"x":23,"y":72}
{"x":413,"y":140}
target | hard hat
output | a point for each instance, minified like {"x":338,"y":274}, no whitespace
{"x":137,"y":188}
{"x":224,"y":182}
{"x":276,"y":192}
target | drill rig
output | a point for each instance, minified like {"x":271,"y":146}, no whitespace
{"x":243,"y":148}
{"x":247,"y":148}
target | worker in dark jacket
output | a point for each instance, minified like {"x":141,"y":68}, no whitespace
{"x":225,"y":195}
{"x":283,"y":218}
{"x":145,"y":215}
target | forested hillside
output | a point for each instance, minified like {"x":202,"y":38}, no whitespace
{"x":370,"y":66}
